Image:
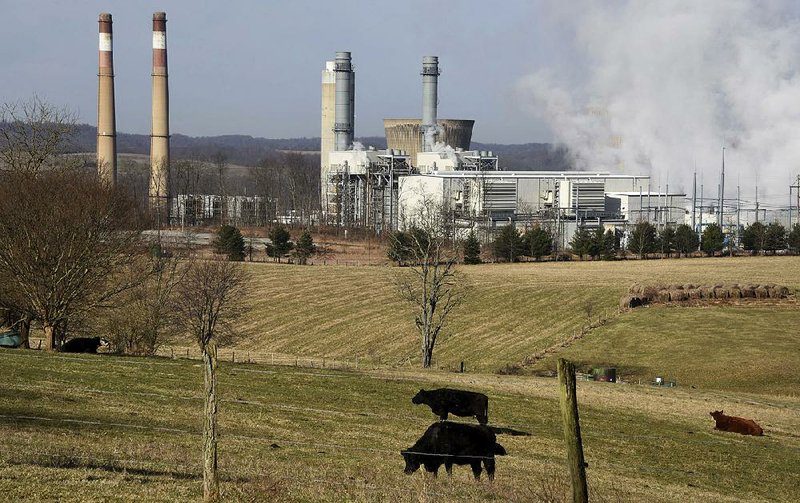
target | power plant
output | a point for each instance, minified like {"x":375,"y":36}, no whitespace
{"x":106,"y":120}
{"x":159,"y":134}
{"x":427,"y":159}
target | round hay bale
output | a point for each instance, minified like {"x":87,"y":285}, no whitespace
{"x":630,"y":302}
{"x":749,"y":292}
{"x":694,"y":294}
{"x":678,"y":295}
{"x":650,"y":293}
{"x":781,"y":292}
{"x":663,"y":296}
{"x":720,"y":292}
{"x":762,"y":292}
{"x":636,"y":289}
{"x":734,"y":292}
{"x":705,"y":291}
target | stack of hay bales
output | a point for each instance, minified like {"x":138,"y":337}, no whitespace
{"x":641,"y":295}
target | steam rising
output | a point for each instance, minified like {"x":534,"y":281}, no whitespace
{"x":663,"y":86}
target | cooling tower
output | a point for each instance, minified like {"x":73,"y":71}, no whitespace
{"x":159,"y":134}
{"x":406,"y":134}
{"x":106,"y":121}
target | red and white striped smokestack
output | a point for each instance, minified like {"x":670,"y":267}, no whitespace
{"x":106,"y":119}
{"x":159,"y":134}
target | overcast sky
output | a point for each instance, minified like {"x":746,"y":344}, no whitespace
{"x":253,"y":67}
{"x":640,"y":86}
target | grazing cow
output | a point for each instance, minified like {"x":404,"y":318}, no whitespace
{"x":736,"y":424}
{"x":447,"y":443}
{"x":83,"y":345}
{"x":461,"y":403}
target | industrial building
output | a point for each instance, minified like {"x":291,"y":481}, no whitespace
{"x":429,"y":161}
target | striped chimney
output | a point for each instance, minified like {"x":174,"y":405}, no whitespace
{"x":159,"y":134}
{"x":106,"y":120}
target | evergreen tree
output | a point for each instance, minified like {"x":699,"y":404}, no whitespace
{"x":304,"y":248}
{"x":399,"y":247}
{"x":508,"y":244}
{"x":775,"y":237}
{"x":754,"y":237}
{"x":713,"y":240}
{"x":280,"y":244}
{"x":539,"y":242}
{"x":595,"y":245}
{"x":794,"y":238}
{"x":580,"y":242}
{"x":643,"y":239}
{"x":472,"y":249}
{"x":229,"y":241}
{"x":666,"y":240}
{"x":685,"y":240}
{"x":610,"y":245}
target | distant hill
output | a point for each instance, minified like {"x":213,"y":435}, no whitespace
{"x":249,"y":151}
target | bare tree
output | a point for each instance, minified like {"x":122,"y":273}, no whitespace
{"x":210,"y":296}
{"x":142,"y":317}
{"x":34,"y":135}
{"x":65,"y":237}
{"x":432,"y":283}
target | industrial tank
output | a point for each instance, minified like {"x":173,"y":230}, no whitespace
{"x":406,"y":134}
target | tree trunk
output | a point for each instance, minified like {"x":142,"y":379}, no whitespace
{"x":49,"y":337}
{"x":24,"y":332}
{"x":210,"y":479}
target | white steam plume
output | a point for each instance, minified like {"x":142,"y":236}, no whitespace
{"x":666,"y":84}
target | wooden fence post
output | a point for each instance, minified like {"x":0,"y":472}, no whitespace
{"x":572,"y":430}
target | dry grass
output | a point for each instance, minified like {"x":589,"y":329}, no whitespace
{"x":513,"y":311}
{"x":94,"y":428}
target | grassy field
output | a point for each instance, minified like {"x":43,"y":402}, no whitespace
{"x":102,"y":428}
{"x":744,"y":348}
{"x":512,"y":311}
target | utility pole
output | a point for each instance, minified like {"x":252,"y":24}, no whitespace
{"x":694,"y":202}
{"x":756,"y":203}
{"x":721,"y":190}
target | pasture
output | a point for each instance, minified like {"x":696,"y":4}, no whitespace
{"x":108,"y":428}
{"x":103,"y":428}
{"x":511,"y":312}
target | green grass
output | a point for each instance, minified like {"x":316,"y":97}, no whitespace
{"x":101,"y":428}
{"x":744,"y":348}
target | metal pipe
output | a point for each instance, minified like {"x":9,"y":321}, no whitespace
{"x":159,"y":133}
{"x":430,"y":98}
{"x":343,"y":114}
{"x":106,"y":119}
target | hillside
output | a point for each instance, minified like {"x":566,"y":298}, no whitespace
{"x":249,"y":150}
{"x":515,"y":311}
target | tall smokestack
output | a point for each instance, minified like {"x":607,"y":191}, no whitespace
{"x":106,"y":121}
{"x":159,"y":134}
{"x":430,"y":99}
{"x":343,"y":122}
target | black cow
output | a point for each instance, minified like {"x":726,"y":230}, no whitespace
{"x":447,"y":443}
{"x":83,"y":345}
{"x":455,"y":401}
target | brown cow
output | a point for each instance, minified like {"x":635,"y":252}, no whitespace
{"x":736,"y":424}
